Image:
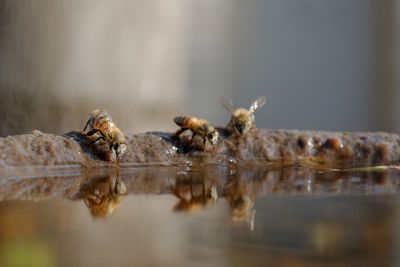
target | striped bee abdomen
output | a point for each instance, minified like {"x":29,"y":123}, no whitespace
{"x":185,"y":121}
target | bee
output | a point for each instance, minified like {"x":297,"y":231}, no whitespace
{"x":100,"y":122}
{"x":242,"y":120}
{"x":200,"y":127}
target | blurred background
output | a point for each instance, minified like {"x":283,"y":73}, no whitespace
{"x":323,"y":65}
{"x":328,"y":65}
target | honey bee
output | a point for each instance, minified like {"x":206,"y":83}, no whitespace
{"x":100,"y":122}
{"x":242,"y":120}
{"x":200,"y":127}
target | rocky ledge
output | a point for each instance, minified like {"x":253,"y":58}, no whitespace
{"x":262,"y":146}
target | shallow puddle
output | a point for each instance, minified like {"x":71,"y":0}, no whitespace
{"x":216,"y":216}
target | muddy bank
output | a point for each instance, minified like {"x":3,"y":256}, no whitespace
{"x":262,"y":146}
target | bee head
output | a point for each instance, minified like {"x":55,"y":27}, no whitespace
{"x":120,"y":149}
{"x":244,"y":123}
{"x":213,"y":136}
{"x":240,"y":127}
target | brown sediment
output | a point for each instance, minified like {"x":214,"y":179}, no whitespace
{"x":262,"y":146}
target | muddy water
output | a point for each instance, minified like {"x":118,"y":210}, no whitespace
{"x":188,"y":216}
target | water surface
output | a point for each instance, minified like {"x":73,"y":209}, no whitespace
{"x":214,"y":216}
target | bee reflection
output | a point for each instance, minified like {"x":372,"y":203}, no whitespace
{"x":241,"y":201}
{"x":194,"y":195}
{"x":102,"y":195}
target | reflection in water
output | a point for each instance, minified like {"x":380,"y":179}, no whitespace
{"x":102,"y":195}
{"x":304,"y":216}
{"x":196,"y":190}
{"x":241,"y":199}
{"x":193,"y":194}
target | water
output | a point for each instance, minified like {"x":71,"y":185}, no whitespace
{"x":181,"y":216}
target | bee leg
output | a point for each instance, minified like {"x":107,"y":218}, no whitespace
{"x":181,"y":130}
{"x":92,"y":132}
{"x":87,"y":123}
{"x":119,"y":156}
{"x":193,"y":136}
{"x":204,"y":144}
{"x":97,"y":139}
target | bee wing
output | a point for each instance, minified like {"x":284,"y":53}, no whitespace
{"x":227,"y":103}
{"x":258,"y":103}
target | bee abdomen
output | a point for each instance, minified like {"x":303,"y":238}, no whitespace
{"x":183,"y":121}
